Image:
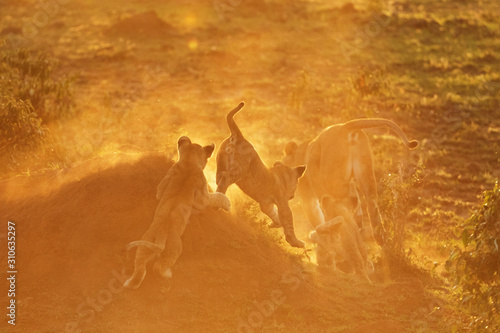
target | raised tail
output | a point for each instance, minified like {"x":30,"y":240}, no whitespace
{"x":152,"y":246}
{"x":359,"y":124}
{"x":235,"y":131}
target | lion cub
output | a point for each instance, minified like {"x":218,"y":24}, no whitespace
{"x":183,"y":191}
{"x":339,"y":241}
{"x":239,"y":163}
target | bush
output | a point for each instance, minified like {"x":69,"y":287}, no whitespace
{"x":394,"y":203}
{"x":30,"y":96}
{"x":476,"y":267}
{"x":28,"y":75}
{"x":371,"y":82}
{"x":20,"y":126}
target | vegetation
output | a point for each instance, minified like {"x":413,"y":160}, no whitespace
{"x":30,"y":97}
{"x":152,"y":71}
{"x":395,"y":203}
{"x":28,"y":75}
{"x":20,"y":126}
{"x":475,"y":267}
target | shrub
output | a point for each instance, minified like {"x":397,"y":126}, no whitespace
{"x":371,"y":82}
{"x":29,"y":76}
{"x":476,"y":267}
{"x":394,"y":204}
{"x":20,"y":126}
{"x":30,"y":96}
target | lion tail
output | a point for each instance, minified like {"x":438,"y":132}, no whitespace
{"x":152,"y":246}
{"x":359,"y":124}
{"x":235,"y":131}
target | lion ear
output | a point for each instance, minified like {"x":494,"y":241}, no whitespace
{"x":277,"y":163}
{"x":291,"y":148}
{"x":299,"y":171}
{"x":182,"y":141}
{"x":209,"y":149}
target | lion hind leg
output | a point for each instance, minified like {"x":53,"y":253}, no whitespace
{"x":313,"y":210}
{"x":142,"y":257}
{"x":173,"y":248}
{"x":357,"y":261}
{"x":376,"y":229}
{"x":368,"y":187}
{"x":146,"y":251}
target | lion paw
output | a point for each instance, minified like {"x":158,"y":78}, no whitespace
{"x":128,"y":284}
{"x":226,"y":204}
{"x":222,"y":201}
{"x":164,"y":272}
{"x":295,"y":242}
{"x":136,"y":279}
{"x":132,"y":283}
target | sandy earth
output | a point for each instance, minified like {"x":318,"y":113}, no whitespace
{"x":142,"y":78}
{"x":233,"y":275}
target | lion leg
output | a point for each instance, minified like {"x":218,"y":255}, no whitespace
{"x":286,"y":220}
{"x":173,"y":249}
{"x":356,"y":260}
{"x":356,"y":203}
{"x":224,"y":182}
{"x":313,"y":211}
{"x":368,"y":187}
{"x":378,"y":231}
{"x":142,"y":256}
{"x":271,"y":211}
{"x":360,"y":266}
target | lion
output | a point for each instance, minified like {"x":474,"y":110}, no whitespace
{"x":340,"y":164}
{"x":239,"y":163}
{"x":182,"y":192}
{"x":339,"y":242}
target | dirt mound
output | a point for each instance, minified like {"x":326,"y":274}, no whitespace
{"x":383,"y":326}
{"x":71,"y":246}
{"x":234,"y":273}
{"x":146,"y":24}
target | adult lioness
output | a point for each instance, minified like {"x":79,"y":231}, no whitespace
{"x":336,"y":156}
{"x":339,"y":242}
{"x":239,"y":163}
{"x":183,"y":191}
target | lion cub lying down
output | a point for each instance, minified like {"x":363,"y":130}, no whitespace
{"x":339,"y":241}
{"x":183,"y":191}
{"x":239,"y":163}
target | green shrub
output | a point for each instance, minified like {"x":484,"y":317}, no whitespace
{"x":30,"y":96}
{"x":20,"y":126}
{"x":29,"y":76}
{"x":476,"y":267}
{"x":394,"y":203}
{"x":371,"y":82}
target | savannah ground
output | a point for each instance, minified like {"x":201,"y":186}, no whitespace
{"x":143,"y":73}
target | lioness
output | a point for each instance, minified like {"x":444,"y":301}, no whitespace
{"x":239,"y":163}
{"x":339,"y":242}
{"x":183,"y":191}
{"x":336,"y":156}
